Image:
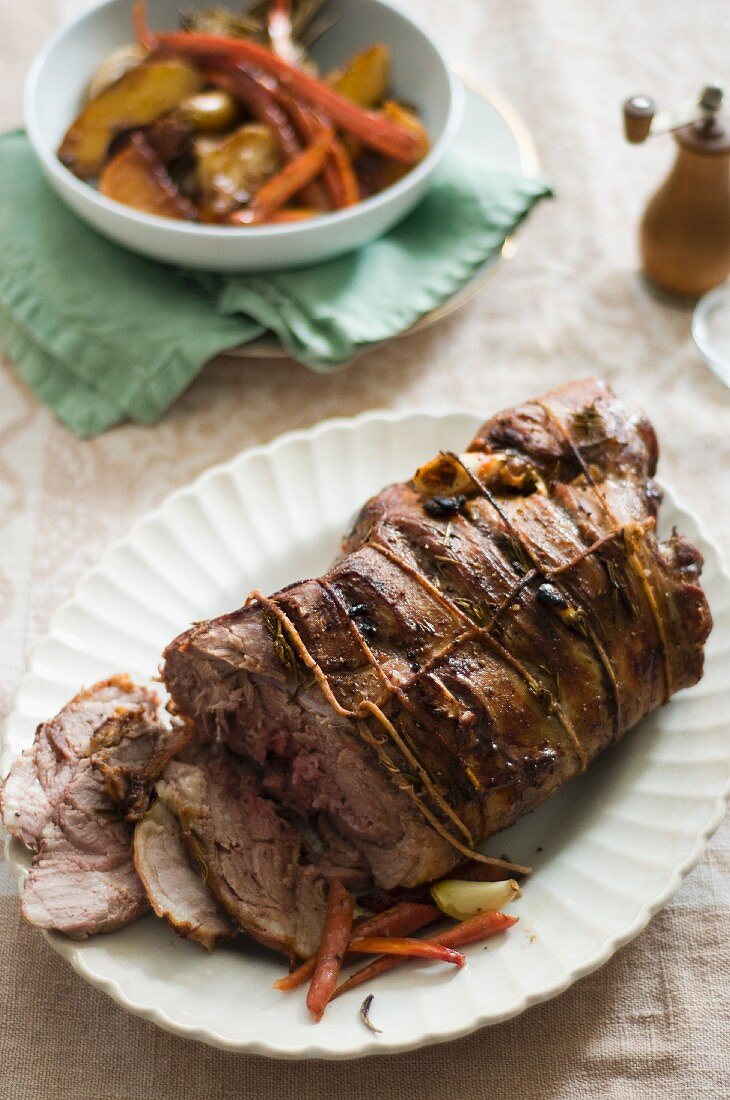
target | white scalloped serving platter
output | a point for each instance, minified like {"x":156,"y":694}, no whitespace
{"x":608,"y":850}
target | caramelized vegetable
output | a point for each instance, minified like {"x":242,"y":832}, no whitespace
{"x":112,"y":68}
{"x":137,"y":99}
{"x":297,"y":174}
{"x":231,"y":171}
{"x":393,"y":172}
{"x":406,"y":948}
{"x":311,"y":145}
{"x":340,"y":166}
{"x":401,"y":919}
{"x":335,"y":937}
{"x":338,"y":176}
{"x":210,"y":112}
{"x":264,"y":105}
{"x":475,"y":930}
{"x":462,"y":899}
{"x":364,"y":80}
{"x":170,"y":137}
{"x":380,"y":132}
{"x":137,"y":177}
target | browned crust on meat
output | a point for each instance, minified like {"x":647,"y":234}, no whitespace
{"x":488,"y":645}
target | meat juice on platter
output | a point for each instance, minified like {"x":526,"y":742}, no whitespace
{"x":491,"y":627}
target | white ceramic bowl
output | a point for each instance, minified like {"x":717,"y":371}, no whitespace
{"x":420,"y":75}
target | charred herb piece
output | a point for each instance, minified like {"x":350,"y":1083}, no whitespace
{"x":365,"y":1017}
{"x":444,"y":507}
{"x":361,"y":616}
{"x":550,"y":597}
{"x":573,"y":617}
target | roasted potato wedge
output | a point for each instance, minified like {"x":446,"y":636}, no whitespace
{"x":113,"y":68}
{"x":209,"y":112}
{"x":392,"y":171}
{"x":365,"y":78}
{"x":398,"y":113}
{"x":232,"y":170}
{"x":138,"y":98}
{"x":137,"y":177}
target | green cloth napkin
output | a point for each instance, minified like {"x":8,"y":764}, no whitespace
{"x":102,"y":335}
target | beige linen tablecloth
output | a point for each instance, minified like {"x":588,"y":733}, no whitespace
{"x":652,"y":1023}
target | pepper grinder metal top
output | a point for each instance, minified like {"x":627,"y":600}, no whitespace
{"x":684,"y":236}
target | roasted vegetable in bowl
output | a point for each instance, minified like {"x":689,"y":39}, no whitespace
{"x":227,"y":121}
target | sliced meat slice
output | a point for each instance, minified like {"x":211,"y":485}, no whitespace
{"x":131,"y":751}
{"x":64,"y":798}
{"x":175,"y":889}
{"x":82,"y":881}
{"x":250,"y":855}
{"x":26,"y":809}
{"x":38,"y":778}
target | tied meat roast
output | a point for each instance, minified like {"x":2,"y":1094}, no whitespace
{"x":490,"y":627}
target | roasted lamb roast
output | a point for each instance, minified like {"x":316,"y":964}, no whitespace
{"x":492,"y":626}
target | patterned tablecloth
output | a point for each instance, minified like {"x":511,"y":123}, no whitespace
{"x":655,"y":1021}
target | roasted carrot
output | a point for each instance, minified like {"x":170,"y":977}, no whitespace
{"x":338,"y":176}
{"x":339,"y":164}
{"x":262,"y":102}
{"x":277,"y":191}
{"x":469,"y":931}
{"x":379,"y":133}
{"x":402,"y":919}
{"x":335,"y":937}
{"x":306,"y":124}
{"x":405,"y":947}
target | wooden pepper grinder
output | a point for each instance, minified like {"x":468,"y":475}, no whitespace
{"x":684,"y":236}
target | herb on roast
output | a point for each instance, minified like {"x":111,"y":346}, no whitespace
{"x":282,"y":647}
{"x":517,"y":554}
{"x":590,"y":424}
{"x":478,"y":611}
{"x":621,"y":596}
{"x":573,"y":617}
{"x":588,"y":421}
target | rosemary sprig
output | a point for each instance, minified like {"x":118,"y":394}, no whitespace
{"x":518,"y":555}
{"x":544,"y":696}
{"x":254,"y":22}
{"x":588,"y":420}
{"x":282,"y":647}
{"x":478,"y":611}
{"x":619,"y":591}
